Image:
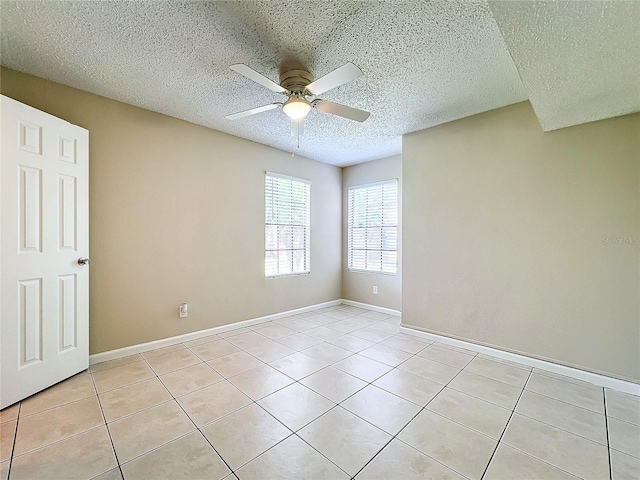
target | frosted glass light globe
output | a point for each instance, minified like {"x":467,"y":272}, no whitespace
{"x":296,"y":107}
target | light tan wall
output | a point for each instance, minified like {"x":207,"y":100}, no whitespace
{"x":177,"y":215}
{"x":505,"y":232}
{"x":358,"y":286}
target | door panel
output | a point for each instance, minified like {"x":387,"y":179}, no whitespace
{"x":68,"y":317}
{"x":30,"y":321}
{"x":67,"y":212}
{"x":44,"y":300}
{"x":30,"y":212}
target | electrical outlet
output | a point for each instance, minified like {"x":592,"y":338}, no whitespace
{"x":183,"y":310}
{"x":375,"y":289}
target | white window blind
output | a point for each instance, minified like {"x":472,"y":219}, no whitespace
{"x":287,"y":225}
{"x":373,"y":227}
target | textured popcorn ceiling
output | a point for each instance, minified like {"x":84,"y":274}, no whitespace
{"x":424,"y":63}
{"x":578,"y":61}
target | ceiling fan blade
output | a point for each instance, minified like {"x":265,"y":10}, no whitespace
{"x":341,"y":110}
{"x":251,"y":74}
{"x":338,"y":77}
{"x":297,"y":127}
{"x":253,"y":111}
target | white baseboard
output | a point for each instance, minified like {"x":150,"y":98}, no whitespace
{"x":590,"y":377}
{"x":375,"y":308}
{"x":585,"y":376}
{"x":165,"y":342}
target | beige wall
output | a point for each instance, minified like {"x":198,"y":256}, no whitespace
{"x":505,"y":232}
{"x":358,"y":286}
{"x":177,"y":215}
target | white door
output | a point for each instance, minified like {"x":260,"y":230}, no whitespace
{"x":44,"y":208}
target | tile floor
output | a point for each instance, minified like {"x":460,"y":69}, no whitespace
{"x":331,"y":394}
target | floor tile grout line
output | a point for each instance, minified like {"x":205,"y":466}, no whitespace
{"x":15,"y":438}
{"x":158,"y":447}
{"x":315,"y":449}
{"x":457,"y":422}
{"x":190,"y":419}
{"x":541,"y":460}
{"x":622,"y":420}
{"x":212,"y":359}
{"x":197,"y":428}
{"x":606,"y":425}
{"x":503,"y":362}
{"x":346,"y":373}
{"x":494,"y":379}
{"x":380,"y":342}
{"x":331,"y":364}
{"x":212,"y":446}
{"x":113,"y":447}
{"x":145,"y":409}
{"x":554,"y":426}
{"x":90,"y":371}
{"x":432,"y":458}
{"x":325,"y":367}
{"x":572,"y":380}
{"x":57,"y":441}
{"x":294,"y":432}
{"x":526,"y":371}
{"x":506,"y":426}
{"x":266,"y":364}
{"x":298,"y":351}
{"x":57,"y":406}
{"x":566,"y":402}
{"x":442,"y":363}
{"x":480,"y":398}
{"x":141,"y":354}
{"x":371,"y":383}
{"x":154,"y":372}
{"x":617,"y":450}
{"x":141,"y":357}
{"x":589,"y":386}
{"x":302,"y":352}
{"x":291,"y":434}
{"x":42,"y":411}
{"x":564,"y":429}
{"x":205,"y":338}
{"x":412,"y":418}
{"x":393,"y":437}
{"x":129,"y":384}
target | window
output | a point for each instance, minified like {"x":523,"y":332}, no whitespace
{"x":373,"y":227}
{"x":286,"y":227}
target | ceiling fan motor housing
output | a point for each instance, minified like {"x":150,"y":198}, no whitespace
{"x":295,"y":80}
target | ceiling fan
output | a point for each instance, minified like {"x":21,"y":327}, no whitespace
{"x":297,"y":85}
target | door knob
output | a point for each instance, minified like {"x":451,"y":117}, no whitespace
{"x":83,"y":261}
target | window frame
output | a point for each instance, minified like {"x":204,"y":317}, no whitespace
{"x":307,"y":227}
{"x":350,"y":226}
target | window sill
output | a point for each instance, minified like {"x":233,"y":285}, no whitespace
{"x":284,"y":275}
{"x":373,"y":272}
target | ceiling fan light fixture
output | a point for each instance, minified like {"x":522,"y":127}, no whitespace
{"x":296,"y":85}
{"x":296,"y":107}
